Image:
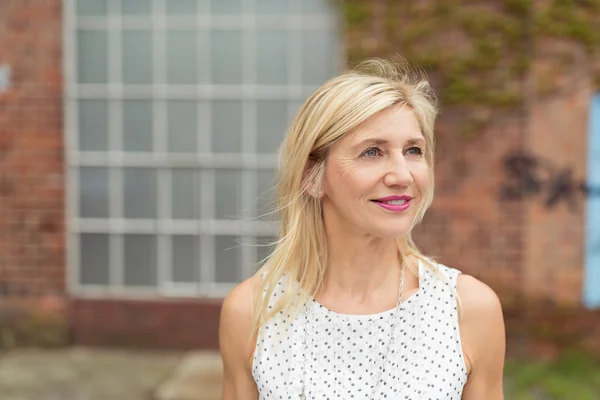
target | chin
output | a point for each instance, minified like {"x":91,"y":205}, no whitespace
{"x":390,"y":232}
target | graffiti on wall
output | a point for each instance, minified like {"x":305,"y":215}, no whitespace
{"x":528,"y":176}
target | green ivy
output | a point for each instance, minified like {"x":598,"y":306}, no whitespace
{"x":489,"y":68}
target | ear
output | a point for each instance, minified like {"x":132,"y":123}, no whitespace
{"x":311,"y":179}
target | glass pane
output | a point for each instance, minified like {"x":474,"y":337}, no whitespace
{"x":137,"y":57}
{"x":93,"y":192}
{"x":140,"y":260}
{"x":226,"y":56}
{"x":227,"y":254}
{"x":318,"y":56}
{"x":93,"y":8}
{"x":137,"y":125}
{"x":182,"y":57}
{"x":185,"y":259}
{"x":227,"y":126}
{"x":318,"y":7}
{"x":272,"y":120}
{"x":182,"y":126}
{"x":266,"y":195}
{"x":93,"y":125}
{"x":226,"y":6}
{"x":136,"y":7}
{"x":272,"y":6}
{"x":185,"y":194}
{"x":94,"y":259}
{"x":140,"y":193}
{"x":181,"y":7}
{"x":227,"y":193}
{"x":264,"y":247}
{"x":92,"y":56}
{"x":272,"y":57}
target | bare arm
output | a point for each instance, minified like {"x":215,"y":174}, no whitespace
{"x":483,"y":339}
{"x":236,"y":348}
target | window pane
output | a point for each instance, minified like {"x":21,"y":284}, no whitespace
{"x":93,"y":125}
{"x":140,"y":193}
{"x":136,"y":7}
{"x":93,"y":8}
{"x":226,"y":56}
{"x":272,"y":57}
{"x":226,"y":6}
{"x":227,"y":193}
{"x":182,"y":126}
{"x":137,"y":57}
{"x":318,"y":7}
{"x":318,"y":45}
{"x":93,"y":192}
{"x":185,"y":259}
{"x":137,"y":125}
{"x":272,"y":6}
{"x":140,"y":260}
{"x":92,"y":56}
{"x":272,"y":120}
{"x":227,"y":254}
{"x":266,"y":194}
{"x":227,"y":126}
{"x":94,"y":259}
{"x":185,"y":194}
{"x":264,"y":247}
{"x":181,"y":7}
{"x":182,"y":57}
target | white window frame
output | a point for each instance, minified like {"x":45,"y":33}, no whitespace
{"x":161,"y":160}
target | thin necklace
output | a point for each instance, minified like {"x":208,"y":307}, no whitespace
{"x":389,"y":345}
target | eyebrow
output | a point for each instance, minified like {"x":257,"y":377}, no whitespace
{"x":384,"y":142}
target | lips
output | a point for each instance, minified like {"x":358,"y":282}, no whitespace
{"x":394,"y":199}
{"x":394,"y":203}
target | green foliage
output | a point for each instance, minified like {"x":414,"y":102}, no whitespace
{"x":574,"y":375}
{"x":495,"y":47}
{"x":356,"y":13}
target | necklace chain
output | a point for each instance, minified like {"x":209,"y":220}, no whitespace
{"x":389,"y":346}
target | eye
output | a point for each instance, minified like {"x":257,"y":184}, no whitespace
{"x":415,"y":151}
{"x":371,"y":152}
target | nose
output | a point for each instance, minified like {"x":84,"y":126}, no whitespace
{"x":398,"y":173}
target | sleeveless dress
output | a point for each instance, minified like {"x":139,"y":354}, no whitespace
{"x":345,"y":352}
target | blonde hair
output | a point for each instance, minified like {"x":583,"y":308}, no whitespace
{"x":336,"y":108}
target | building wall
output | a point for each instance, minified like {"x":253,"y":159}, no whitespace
{"x":32,"y":185}
{"x":524,"y":248}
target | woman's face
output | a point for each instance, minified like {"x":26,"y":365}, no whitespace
{"x":376,"y":175}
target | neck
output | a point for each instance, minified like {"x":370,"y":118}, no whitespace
{"x":360,"y":266}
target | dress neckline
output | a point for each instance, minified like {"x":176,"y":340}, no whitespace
{"x":380,"y":315}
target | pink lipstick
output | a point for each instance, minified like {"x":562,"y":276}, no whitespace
{"x":394,"y":203}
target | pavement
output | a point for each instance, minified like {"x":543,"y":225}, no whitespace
{"x":102,"y":374}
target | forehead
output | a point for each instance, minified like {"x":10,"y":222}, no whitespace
{"x":395,"y":124}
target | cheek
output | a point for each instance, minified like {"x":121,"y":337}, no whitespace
{"x":421,"y":176}
{"x":346,"y":177}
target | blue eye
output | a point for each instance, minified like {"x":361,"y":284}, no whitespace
{"x":416,"y":151}
{"x":371,"y":152}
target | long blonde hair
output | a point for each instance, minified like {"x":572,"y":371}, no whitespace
{"x":336,"y":108}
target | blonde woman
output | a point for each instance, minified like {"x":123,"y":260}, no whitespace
{"x":346,"y":307}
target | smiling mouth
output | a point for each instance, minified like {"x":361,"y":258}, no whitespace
{"x":393,"y":202}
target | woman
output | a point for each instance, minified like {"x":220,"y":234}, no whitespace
{"x":346,"y":307}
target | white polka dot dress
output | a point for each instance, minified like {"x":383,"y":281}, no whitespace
{"x":345,"y":352}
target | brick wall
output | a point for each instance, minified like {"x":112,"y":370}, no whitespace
{"x":523,"y":248}
{"x":32,"y":184}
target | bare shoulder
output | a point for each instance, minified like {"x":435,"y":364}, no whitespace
{"x":237,"y":313}
{"x":477,"y":298}
{"x":235,"y":340}
{"x":483,"y":336}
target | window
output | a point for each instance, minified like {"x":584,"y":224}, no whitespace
{"x":174,"y":111}
{"x":592,"y":251}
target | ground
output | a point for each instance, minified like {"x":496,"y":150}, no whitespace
{"x":100,"y":374}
